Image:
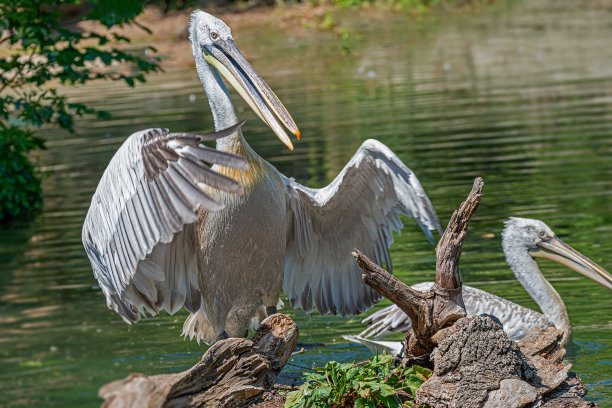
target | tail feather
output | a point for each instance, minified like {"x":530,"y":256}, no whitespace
{"x":198,"y":326}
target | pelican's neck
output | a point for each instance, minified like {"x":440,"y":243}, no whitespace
{"x":528,"y":274}
{"x":221,"y":106}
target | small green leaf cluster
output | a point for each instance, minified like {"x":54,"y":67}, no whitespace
{"x":377,"y":383}
{"x":40,"y":48}
{"x":20,"y":189}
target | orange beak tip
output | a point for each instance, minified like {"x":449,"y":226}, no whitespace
{"x":298,"y":134}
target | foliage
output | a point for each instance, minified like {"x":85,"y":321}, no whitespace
{"x":38,"y":51}
{"x":167,"y":5}
{"x":373,"y":384}
{"x":417,"y":7}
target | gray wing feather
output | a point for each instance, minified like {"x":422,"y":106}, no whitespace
{"x":359,"y":209}
{"x":138,"y":232}
{"x":516,"y":319}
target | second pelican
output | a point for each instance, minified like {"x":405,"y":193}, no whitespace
{"x":523,"y":240}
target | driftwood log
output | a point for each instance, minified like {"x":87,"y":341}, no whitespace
{"x":232,"y":373}
{"x":441,"y":306}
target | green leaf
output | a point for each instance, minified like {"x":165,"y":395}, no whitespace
{"x":323,"y":392}
{"x":390,"y":401}
{"x":412,"y":384}
{"x":35,"y":29}
{"x":294,"y":399}
{"x":360,"y":403}
{"x":386,"y":390}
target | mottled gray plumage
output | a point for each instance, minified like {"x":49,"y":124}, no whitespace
{"x":522,"y":240}
{"x":133,"y":230}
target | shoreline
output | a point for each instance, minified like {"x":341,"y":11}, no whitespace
{"x":170,"y":39}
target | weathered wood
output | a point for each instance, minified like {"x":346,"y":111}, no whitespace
{"x":476,"y":365}
{"x":469,"y":362}
{"x":417,"y":305}
{"x":448,"y":250}
{"x":449,"y":306}
{"x":232,"y":373}
{"x":438,"y":308}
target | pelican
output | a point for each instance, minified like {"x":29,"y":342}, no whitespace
{"x":523,"y":240}
{"x":228,"y":267}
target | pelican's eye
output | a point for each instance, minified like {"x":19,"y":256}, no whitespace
{"x":542,"y":234}
{"x":214,"y":35}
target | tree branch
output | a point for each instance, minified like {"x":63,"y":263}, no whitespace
{"x":448,"y":250}
{"x":408,"y":299}
{"x":441,"y":306}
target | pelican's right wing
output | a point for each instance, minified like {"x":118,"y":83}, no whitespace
{"x":134,"y":233}
{"x":359,"y":209}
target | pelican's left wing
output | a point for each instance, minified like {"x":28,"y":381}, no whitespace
{"x":139,"y":233}
{"x":359,"y":209}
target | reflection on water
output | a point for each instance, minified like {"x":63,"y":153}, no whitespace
{"x":521,"y":96}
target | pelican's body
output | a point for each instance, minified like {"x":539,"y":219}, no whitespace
{"x":242,"y":250}
{"x":523,"y":240}
{"x":279,"y":233}
{"x":228,"y":267}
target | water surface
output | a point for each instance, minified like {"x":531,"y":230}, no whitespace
{"x":520,"y":95}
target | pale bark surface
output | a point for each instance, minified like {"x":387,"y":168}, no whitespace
{"x":471,"y":360}
{"x":232,"y":373}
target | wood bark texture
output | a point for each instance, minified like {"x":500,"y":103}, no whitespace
{"x":232,"y":373}
{"x":440,"y":307}
{"x":476,"y":365}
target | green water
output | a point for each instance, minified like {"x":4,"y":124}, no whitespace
{"x":520,"y":95}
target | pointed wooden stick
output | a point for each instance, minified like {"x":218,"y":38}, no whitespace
{"x":441,"y":306}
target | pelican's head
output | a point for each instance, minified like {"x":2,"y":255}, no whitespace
{"x":541,"y":242}
{"x":212,"y":39}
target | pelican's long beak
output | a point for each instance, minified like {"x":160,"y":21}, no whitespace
{"x":229,"y":61}
{"x":558,"y":251}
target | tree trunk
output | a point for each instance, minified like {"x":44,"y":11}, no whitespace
{"x":476,"y":365}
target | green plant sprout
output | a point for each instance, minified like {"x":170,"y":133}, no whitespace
{"x":372,"y":384}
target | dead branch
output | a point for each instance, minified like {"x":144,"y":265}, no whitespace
{"x":439,"y":307}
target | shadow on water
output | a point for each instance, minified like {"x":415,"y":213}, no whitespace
{"x":521,"y":96}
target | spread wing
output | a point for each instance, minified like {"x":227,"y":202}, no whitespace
{"x":134,"y":232}
{"x":516,"y":319}
{"x":359,"y":209}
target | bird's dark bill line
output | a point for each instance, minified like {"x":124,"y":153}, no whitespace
{"x":232,"y":65}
